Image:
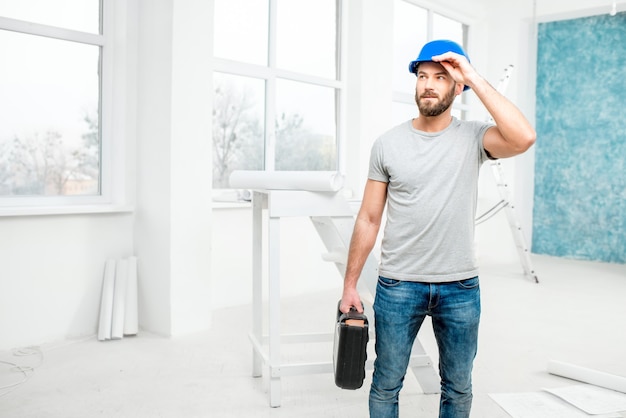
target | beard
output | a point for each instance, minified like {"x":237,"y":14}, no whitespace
{"x":427,"y":108}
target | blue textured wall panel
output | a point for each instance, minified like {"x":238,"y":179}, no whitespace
{"x":580,"y":169}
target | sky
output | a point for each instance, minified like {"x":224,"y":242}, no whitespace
{"x":48,"y":84}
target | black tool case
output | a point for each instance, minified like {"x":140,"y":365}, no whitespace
{"x":350,"y":349}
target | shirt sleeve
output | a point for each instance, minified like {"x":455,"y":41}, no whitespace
{"x":480,"y":134}
{"x":377,"y":169}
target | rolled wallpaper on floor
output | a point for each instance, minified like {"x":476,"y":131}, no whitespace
{"x":583,"y":374}
{"x":118,"y":304}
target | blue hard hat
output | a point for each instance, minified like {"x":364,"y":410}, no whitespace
{"x":437,"y":47}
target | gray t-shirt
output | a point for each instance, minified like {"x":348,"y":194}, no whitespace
{"x":431,"y":200}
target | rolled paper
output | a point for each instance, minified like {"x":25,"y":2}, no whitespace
{"x":119,"y":299}
{"x":106,"y":301}
{"x":323,"y":181}
{"x":582,"y":374}
{"x":131,"y":322}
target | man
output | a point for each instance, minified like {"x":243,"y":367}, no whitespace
{"x":426,"y":172}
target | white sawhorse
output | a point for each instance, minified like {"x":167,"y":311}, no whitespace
{"x":332,"y":218}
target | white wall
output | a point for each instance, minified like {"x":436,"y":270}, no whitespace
{"x":506,"y":40}
{"x":52,"y":270}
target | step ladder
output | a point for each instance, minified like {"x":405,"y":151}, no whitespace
{"x":336,"y":232}
{"x":506,"y":201}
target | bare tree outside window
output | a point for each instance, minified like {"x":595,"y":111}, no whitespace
{"x":299,"y":149}
{"x":237,"y":127}
{"x":306,"y":126}
{"x":41,"y":164}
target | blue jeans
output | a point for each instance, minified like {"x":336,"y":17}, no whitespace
{"x":399,"y":310}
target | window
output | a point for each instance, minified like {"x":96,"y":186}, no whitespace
{"x":277,"y":86}
{"x":57,"y":136}
{"x":50,"y":96}
{"x":413,"y":27}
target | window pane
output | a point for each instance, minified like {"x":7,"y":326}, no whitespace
{"x":305,"y":127}
{"x":238,"y":126}
{"x":409,"y":26}
{"x":306,"y":37}
{"x":81,"y":15}
{"x":49,"y":129}
{"x":446,"y":28}
{"x":241,"y":30}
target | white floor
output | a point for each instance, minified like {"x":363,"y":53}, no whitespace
{"x":576,"y":314}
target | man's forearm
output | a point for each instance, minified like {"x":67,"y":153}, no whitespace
{"x":361,"y":244}
{"x":512,"y":124}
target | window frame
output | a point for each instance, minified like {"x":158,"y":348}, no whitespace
{"x":270,"y":74}
{"x":112,"y":117}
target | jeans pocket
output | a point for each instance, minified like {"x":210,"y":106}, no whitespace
{"x":468,"y":283}
{"x":387,"y":282}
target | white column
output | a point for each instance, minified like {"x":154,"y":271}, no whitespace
{"x":191,"y":165}
{"x":173,"y":217}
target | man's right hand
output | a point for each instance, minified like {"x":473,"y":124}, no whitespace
{"x":349,"y":299}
